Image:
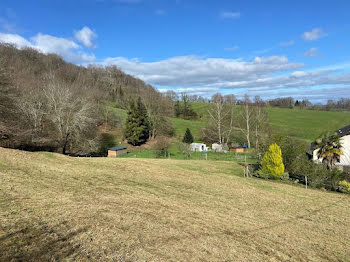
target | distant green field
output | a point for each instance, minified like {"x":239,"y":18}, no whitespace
{"x":195,"y":126}
{"x":306,"y":124}
{"x":300,"y":123}
{"x":303,"y":124}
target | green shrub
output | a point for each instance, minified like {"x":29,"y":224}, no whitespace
{"x":272,"y":162}
{"x":344,"y":186}
{"x":285,"y":176}
{"x":261,"y":174}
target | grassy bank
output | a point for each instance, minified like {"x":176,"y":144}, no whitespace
{"x":55,"y":207}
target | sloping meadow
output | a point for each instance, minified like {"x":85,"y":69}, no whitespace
{"x":54,"y":207}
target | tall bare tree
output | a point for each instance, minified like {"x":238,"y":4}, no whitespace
{"x":261,"y":119}
{"x":70,"y":114}
{"x":221,"y":115}
{"x":33,"y":109}
{"x":247,"y":119}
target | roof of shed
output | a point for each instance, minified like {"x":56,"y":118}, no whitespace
{"x":117,"y":148}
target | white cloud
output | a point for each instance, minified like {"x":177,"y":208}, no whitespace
{"x":205,"y":76}
{"x":189,"y":71}
{"x":315,"y":34}
{"x":230,"y":15}
{"x":86,"y":36}
{"x":14,"y":39}
{"x":232,"y":48}
{"x":68,"y":49}
{"x":311,"y":52}
{"x":287,"y":43}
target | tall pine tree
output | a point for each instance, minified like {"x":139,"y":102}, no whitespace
{"x":137,"y":125}
{"x":188,"y":138}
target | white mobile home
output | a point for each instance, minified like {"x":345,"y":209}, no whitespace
{"x":217,"y":147}
{"x":199,"y":147}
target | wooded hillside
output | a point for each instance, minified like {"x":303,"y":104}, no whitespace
{"x":47,"y":103}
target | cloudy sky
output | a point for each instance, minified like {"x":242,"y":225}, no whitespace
{"x":269,"y":48}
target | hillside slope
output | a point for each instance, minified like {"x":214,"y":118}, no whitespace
{"x":54,"y":207}
{"x":298,"y":123}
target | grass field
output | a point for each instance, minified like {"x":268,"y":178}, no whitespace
{"x":299,"y":123}
{"x":54,"y":207}
{"x":306,"y":124}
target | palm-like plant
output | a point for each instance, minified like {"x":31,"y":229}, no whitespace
{"x":329,"y":149}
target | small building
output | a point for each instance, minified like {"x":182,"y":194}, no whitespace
{"x":217,"y":147}
{"x":344,"y":161}
{"x":238,"y":149}
{"x":199,"y":147}
{"x":116,"y":151}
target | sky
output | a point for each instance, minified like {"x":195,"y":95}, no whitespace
{"x":271,"y":48}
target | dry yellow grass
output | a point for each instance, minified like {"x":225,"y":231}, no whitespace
{"x":54,"y":207}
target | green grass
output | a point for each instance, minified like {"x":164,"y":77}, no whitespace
{"x":176,"y":154}
{"x":306,"y":124}
{"x":59,"y":208}
{"x":299,"y":123}
{"x":180,"y":126}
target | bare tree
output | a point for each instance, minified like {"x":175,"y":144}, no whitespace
{"x":70,"y":114}
{"x":261,"y":118}
{"x":33,"y":108}
{"x":247,"y":119}
{"x":222,"y":118}
{"x":230,"y":99}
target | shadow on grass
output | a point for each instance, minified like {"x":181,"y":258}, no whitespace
{"x":40,"y":243}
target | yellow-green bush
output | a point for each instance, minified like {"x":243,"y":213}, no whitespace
{"x":344,"y":186}
{"x":272,"y":162}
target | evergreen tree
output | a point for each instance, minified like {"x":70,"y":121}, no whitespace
{"x":137,"y":125}
{"x":188,"y":138}
{"x":272,"y":162}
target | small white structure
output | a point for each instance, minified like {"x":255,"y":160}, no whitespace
{"x":344,"y":135}
{"x":217,"y":147}
{"x":199,"y":147}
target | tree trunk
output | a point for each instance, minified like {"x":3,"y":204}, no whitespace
{"x":64,"y":148}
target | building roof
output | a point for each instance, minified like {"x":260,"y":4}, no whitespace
{"x":344,"y":131}
{"x":197,"y":144}
{"x":117,"y":148}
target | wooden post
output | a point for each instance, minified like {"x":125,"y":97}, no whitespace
{"x":306,"y":182}
{"x":246,"y":166}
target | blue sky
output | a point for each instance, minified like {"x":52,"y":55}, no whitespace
{"x":267,"y":48}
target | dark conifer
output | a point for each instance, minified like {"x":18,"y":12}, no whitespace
{"x":188,"y":138}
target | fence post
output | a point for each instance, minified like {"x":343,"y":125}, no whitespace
{"x":306,"y":182}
